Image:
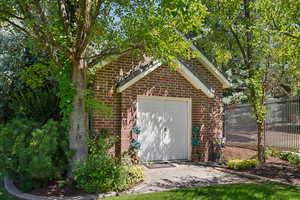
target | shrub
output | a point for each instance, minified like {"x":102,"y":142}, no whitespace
{"x":294,"y":159}
{"x":98,"y":174}
{"x":271,"y":152}
{"x":134,"y":174}
{"x":242,"y":164}
{"x":102,"y":172}
{"x":284,"y":155}
{"x":33,"y":154}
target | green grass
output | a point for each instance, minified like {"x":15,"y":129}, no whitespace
{"x":255,"y":191}
{"x":4,"y":195}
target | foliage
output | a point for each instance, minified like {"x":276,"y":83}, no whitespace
{"x":284,"y":155}
{"x":4,"y":195}
{"x":38,"y":104}
{"x":258,"y":60}
{"x":230,"y":35}
{"x":27,"y":87}
{"x":294,"y":159}
{"x":65,"y":93}
{"x":92,"y":104}
{"x":89,"y":32}
{"x":239,"y":191}
{"x":242,"y":164}
{"x":102,"y":172}
{"x":291,"y":157}
{"x":98,"y":174}
{"x":34,"y":76}
{"x":271,"y":152}
{"x":133,"y":174}
{"x":33,"y":154}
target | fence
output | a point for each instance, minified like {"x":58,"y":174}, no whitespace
{"x":282,"y":124}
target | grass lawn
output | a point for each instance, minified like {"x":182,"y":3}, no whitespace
{"x":255,"y":191}
{"x":4,"y":195}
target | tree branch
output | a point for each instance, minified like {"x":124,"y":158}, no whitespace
{"x":290,"y":35}
{"x":40,"y":34}
{"x":236,"y":37}
{"x":11,"y":14}
{"x":90,"y":12}
{"x":98,"y":58}
{"x":63,"y":12}
{"x":17,"y":26}
{"x":283,"y":32}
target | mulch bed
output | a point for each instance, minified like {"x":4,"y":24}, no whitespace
{"x":231,"y":152}
{"x":278,"y":170}
{"x":274,"y":168}
{"x":54,"y":189}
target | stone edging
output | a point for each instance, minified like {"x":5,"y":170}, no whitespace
{"x":252,"y":176}
{"x":14,"y":191}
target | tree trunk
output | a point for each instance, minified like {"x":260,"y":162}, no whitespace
{"x":261,"y":142}
{"x":79,"y":118}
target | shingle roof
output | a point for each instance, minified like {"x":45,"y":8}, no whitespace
{"x":135,"y":71}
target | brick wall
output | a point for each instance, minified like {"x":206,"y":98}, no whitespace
{"x":161,"y":82}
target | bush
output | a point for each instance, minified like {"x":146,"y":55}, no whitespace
{"x":102,"y":172}
{"x":98,"y":174}
{"x":33,"y":154}
{"x":284,"y":155}
{"x":133,"y":174}
{"x":294,"y":159}
{"x":242,"y":164}
{"x":271,"y":152}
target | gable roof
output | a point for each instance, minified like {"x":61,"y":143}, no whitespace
{"x":203,"y":59}
{"x":137,"y":74}
{"x":195,"y":80}
{"x":142,"y":70}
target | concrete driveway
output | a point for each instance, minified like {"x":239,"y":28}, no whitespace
{"x":184,"y":175}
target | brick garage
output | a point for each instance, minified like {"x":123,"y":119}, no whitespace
{"x":120,"y":82}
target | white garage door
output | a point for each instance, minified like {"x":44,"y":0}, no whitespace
{"x":164,"y":126}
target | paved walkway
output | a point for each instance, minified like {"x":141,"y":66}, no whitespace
{"x":184,"y":175}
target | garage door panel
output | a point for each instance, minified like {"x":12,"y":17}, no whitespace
{"x":164,"y":129}
{"x":175,"y":114}
{"x":150,"y":118}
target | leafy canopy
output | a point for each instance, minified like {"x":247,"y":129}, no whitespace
{"x":95,"y":30}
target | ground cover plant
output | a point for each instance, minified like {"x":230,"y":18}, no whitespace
{"x":242,"y":164}
{"x":280,"y":165}
{"x":102,"y":172}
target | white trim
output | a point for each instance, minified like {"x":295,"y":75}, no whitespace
{"x":211,"y":67}
{"x":187,"y":74}
{"x":162,"y":98}
{"x":138,"y":77}
{"x":190,"y":129}
{"x":189,"y":118}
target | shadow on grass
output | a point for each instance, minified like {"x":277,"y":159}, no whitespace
{"x":259,"y":191}
{"x":267,"y":191}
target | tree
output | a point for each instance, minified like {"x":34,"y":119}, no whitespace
{"x":257,"y":59}
{"x":282,"y":18}
{"x":86,"y":32}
